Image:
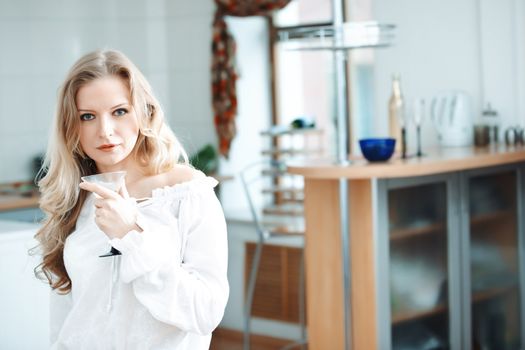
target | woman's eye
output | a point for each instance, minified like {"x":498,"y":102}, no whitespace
{"x":87,"y":116}
{"x":120,"y":112}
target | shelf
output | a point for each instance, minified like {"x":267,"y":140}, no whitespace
{"x":349,"y":35}
{"x":275,"y":172}
{"x":283,"y":225}
{"x":414,"y":315}
{"x":402,"y":233}
{"x":288,"y":195}
{"x":479,"y":297}
{"x":439,"y":309}
{"x":280,"y":130}
{"x":299,"y":200}
{"x":480,"y":219}
{"x":286,"y":230}
{"x":285,"y":190}
{"x":291,"y":151}
{"x":288,"y":209}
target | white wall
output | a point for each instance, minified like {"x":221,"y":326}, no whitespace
{"x":470,"y":45}
{"x":519,"y":20}
{"x":501,"y":46}
{"x":436,"y":48}
{"x":253,"y":95}
{"x":170,"y":41}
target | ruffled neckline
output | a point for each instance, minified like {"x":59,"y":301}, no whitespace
{"x":177,"y":191}
{"x":183,"y":188}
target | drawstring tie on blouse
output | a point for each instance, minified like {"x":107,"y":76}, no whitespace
{"x":113,"y":278}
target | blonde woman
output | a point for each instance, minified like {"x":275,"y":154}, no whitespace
{"x":168,"y":288}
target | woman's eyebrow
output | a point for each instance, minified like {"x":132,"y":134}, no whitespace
{"x":120,"y":105}
{"x":116,"y":106}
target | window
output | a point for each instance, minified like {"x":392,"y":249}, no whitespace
{"x":304,"y":13}
{"x":304,"y":81}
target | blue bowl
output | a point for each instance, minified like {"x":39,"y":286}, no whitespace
{"x":377,"y":149}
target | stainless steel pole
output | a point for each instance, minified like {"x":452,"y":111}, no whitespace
{"x":341,"y":94}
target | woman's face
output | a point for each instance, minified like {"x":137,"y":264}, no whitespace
{"x":108,"y":123}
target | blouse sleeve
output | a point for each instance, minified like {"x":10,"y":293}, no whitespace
{"x":181,"y":282}
{"x":59,"y":307}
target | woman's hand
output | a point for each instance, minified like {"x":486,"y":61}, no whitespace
{"x":115,"y":213}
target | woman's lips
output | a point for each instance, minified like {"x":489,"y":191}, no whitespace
{"x":107,"y":147}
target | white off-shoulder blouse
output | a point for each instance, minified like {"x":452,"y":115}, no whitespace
{"x":167,"y":290}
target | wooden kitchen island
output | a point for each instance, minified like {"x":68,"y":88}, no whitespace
{"x":417,"y":227}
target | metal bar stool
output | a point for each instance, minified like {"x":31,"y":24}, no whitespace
{"x":250,"y":175}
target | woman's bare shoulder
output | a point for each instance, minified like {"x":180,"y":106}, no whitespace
{"x":179,"y":174}
{"x":182,"y":173}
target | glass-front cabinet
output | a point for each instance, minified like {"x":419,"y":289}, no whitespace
{"x":492,"y":246}
{"x":450,"y":262}
{"x":418,"y":264}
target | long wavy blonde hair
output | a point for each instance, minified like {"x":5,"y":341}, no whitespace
{"x":157,"y":150}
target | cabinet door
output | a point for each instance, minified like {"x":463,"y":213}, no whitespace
{"x":24,"y":300}
{"x":494,"y":292}
{"x":418,"y":263}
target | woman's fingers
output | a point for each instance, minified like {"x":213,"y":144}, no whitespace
{"x":115,"y":215}
{"x":100,"y":212}
{"x":115,"y":212}
{"x":99,"y":202}
{"x":124,"y":191}
{"x":99,"y":190}
{"x":102,"y":222}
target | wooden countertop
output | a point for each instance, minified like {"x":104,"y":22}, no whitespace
{"x":12,"y":202}
{"x":18,"y":195}
{"x":440,"y":160}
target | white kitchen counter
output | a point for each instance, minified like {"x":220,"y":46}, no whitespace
{"x":24,"y":300}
